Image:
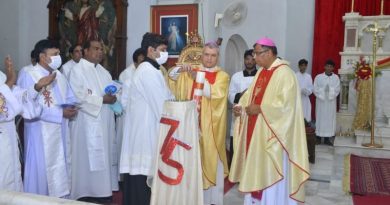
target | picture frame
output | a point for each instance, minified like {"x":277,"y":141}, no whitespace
{"x":174,"y":22}
{"x":66,"y":21}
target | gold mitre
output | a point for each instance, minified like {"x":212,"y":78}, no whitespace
{"x":192,"y":53}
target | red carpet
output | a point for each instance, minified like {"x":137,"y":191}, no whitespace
{"x":370,"y":176}
{"x":117,"y":198}
{"x":368,"y":200}
{"x":227,"y":186}
{"x":370,"y":180}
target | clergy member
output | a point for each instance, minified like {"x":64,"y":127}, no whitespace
{"x":47,"y":147}
{"x":13,"y":101}
{"x":306,"y":85}
{"x":93,"y":130}
{"x":138,"y":58}
{"x":148,"y":91}
{"x":76,"y":54}
{"x":32,"y":64}
{"x":270,"y":161}
{"x":213,"y":124}
{"x":238,"y":85}
{"x":326,"y":90}
{"x":125,"y":78}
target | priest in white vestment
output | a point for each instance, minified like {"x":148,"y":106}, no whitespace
{"x":124,"y":78}
{"x":306,"y":85}
{"x":14,"y":101}
{"x":147,"y":93}
{"x":32,"y":64}
{"x":326,"y":90}
{"x":238,"y":85}
{"x":76,"y":54}
{"x":93,"y":130}
{"x":47,"y":148}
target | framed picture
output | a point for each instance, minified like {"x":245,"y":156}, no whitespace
{"x":74,"y":22}
{"x":174,"y":22}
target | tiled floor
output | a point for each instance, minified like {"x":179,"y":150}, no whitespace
{"x":321,"y":189}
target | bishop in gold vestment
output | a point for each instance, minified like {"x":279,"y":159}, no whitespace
{"x":270,"y":160}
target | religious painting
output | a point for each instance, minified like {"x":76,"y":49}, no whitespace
{"x":78,"y":21}
{"x":175,"y":22}
{"x":174,"y":28}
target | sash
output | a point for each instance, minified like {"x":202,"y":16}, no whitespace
{"x":10,"y":167}
{"x":257,"y":98}
{"x":52,"y":136}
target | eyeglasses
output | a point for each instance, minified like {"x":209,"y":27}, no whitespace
{"x":257,"y":53}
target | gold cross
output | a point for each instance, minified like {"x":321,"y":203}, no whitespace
{"x":375,"y":29}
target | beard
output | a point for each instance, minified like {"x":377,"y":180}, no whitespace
{"x":250,"y":68}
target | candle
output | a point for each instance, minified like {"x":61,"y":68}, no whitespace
{"x":382,"y":7}
{"x":353,"y":2}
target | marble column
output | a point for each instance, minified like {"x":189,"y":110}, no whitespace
{"x":344,"y":89}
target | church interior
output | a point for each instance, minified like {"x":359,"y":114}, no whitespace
{"x":353,"y":168}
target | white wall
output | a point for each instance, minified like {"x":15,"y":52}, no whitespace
{"x":9,"y":31}
{"x":289,"y":23}
{"x":23,"y":22}
{"x":138,"y":23}
{"x":264,"y":18}
{"x":300,"y":32}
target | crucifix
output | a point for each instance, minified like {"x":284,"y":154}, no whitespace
{"x":374,"y":29}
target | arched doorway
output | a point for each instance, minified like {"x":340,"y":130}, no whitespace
{"x":234,"y":54}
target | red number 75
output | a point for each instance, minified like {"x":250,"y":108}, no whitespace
{"x":167,"y":150}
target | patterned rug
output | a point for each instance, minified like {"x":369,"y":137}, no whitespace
{"x":369,"y":176}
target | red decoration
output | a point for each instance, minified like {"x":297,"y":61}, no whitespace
{"x":47,"y":98}
{"x":167,"y":150}
{"x":363,"y":72}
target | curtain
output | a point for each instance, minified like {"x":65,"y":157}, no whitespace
{"x":329,"y":30}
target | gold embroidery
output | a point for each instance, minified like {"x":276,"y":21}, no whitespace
{"x":3,"y":108}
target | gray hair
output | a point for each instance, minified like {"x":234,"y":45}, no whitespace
{"x":212,"y":45}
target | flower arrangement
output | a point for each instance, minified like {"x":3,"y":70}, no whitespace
{"x":363,"y":70}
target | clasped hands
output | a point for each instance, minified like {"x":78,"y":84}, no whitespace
{"x":109,"y":99}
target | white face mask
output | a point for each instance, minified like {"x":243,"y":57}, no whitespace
{"x":55,"y":62}
{"x":163,"y":58}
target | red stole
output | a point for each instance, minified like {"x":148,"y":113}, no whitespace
{"x":257,"y":97}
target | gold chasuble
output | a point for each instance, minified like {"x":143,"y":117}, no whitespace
{"x":170,"y":83}
{"x":213,"y":121}
{"x":258,"y":153}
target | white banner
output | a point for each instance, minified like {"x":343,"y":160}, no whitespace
{"x":178,"y":175}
